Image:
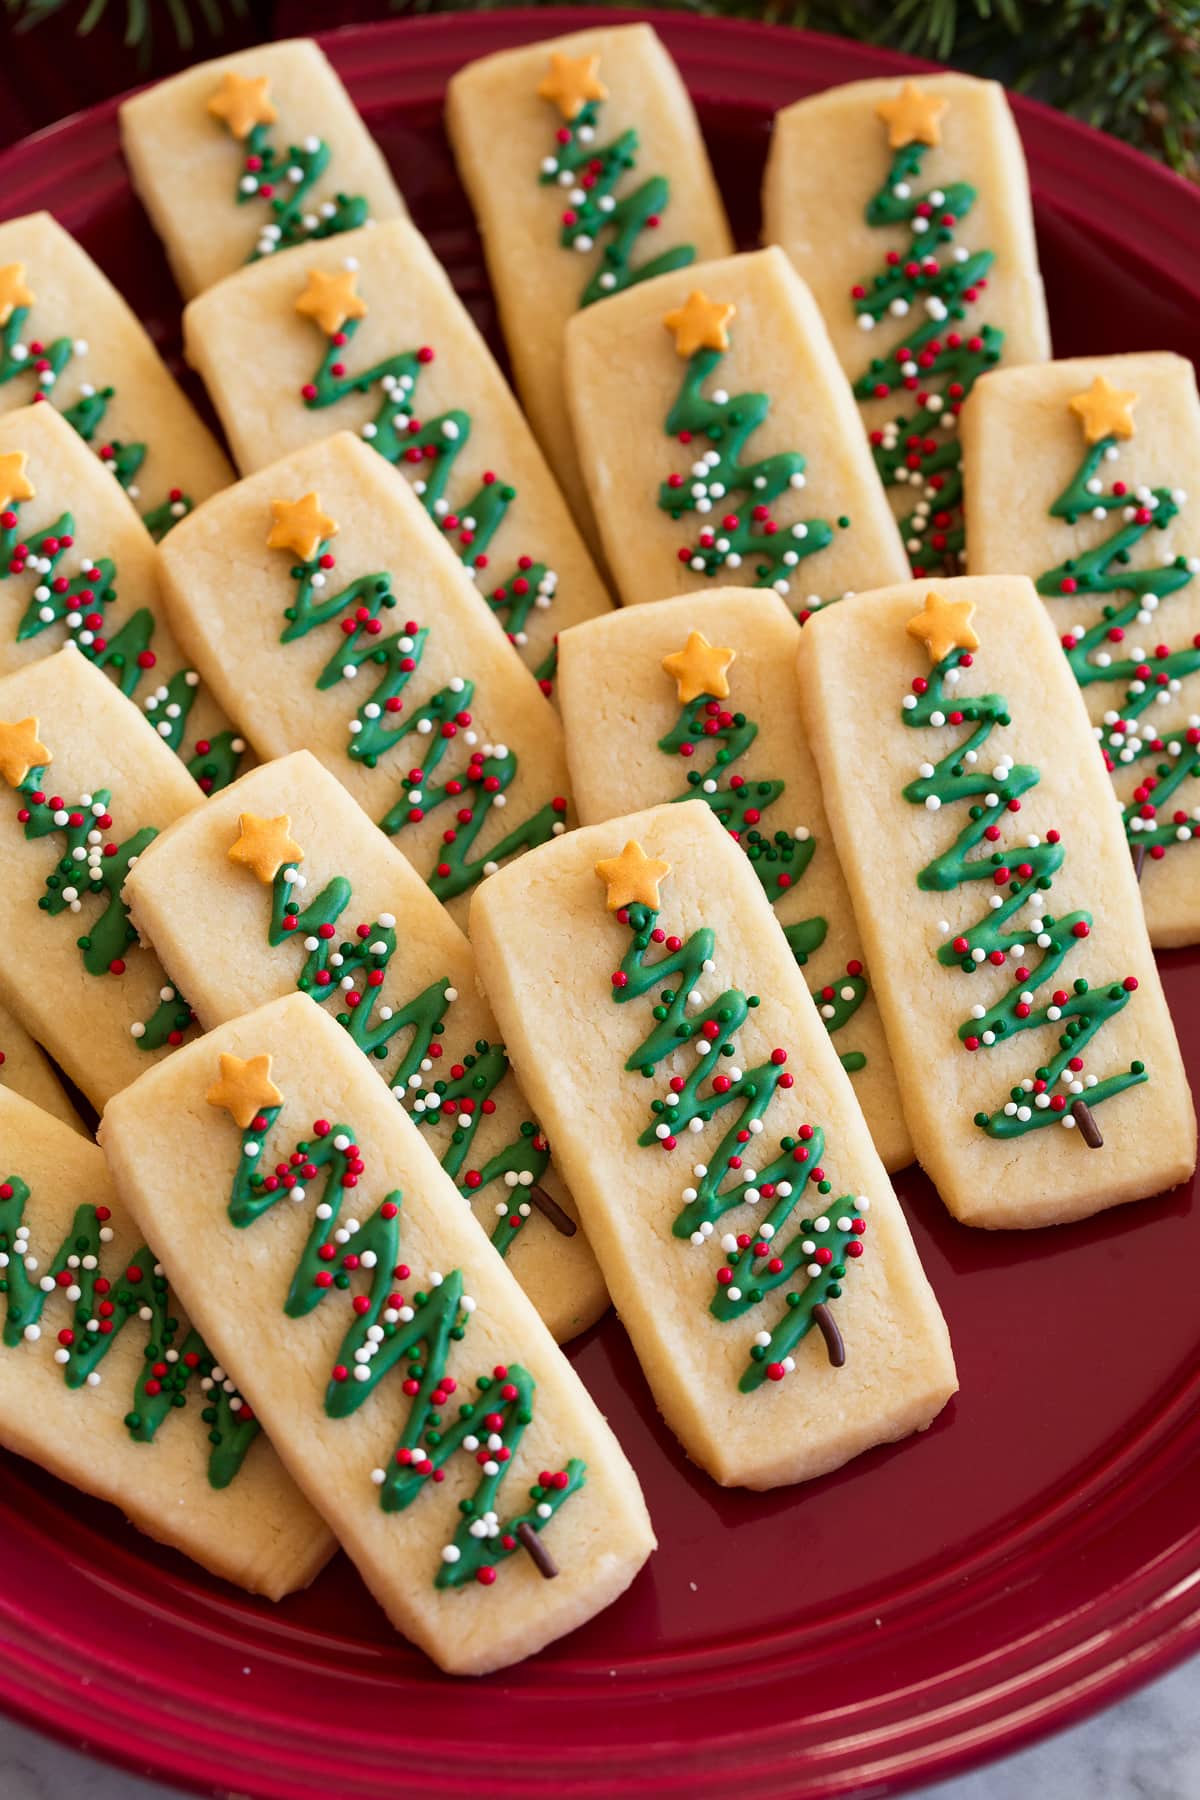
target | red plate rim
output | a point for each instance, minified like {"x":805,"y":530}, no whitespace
{"x":1086,"y":1657}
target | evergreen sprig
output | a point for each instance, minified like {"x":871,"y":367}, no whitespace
{"x":1131,"y":67}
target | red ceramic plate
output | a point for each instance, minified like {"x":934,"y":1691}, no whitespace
{"x":1032,"y":1556}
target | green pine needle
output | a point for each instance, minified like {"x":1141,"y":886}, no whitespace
{"x":1132,"y":67}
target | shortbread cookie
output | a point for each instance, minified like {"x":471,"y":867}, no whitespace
{"x":330,"y":614}
{"x":497,"y":1472}
{"x":26,"y":1071}
{"x":104,"y":1383}
{"x":250,"y":154}
{"x":696,"y":698}
{"x":299,"y":890}
{"x":587,"y":172}
{"x":720,"y":439}
{"x":67,"y":336}
{"x":1086,"y":476}
{"x":937,"y":713}
{"x":368,"y":334}
{"x":91,"y":785}
{"x":905,"y":206}
{"x":726,"y":1292}
{"x":76,"y":562}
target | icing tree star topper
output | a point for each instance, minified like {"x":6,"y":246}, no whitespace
{"x":300,"y":526}
{"x":572,"y":82}
{"x":13,"y":291}
{"x":21,"y":750}
{"x":912,"y":117}
{"x":245,"y":1088}
{"x":700,"y":323}
{"x":633,"y":878}
{"x":944,"y":625}
{"x":331,"y":298}
{"x":14,"y":483}
{"x":242,"y":102}
{"x":1104,"y":411}
{"x":264,"y":846}
{"x":699,"y":668}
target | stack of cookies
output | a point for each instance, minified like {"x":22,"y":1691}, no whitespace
{"x":481,"y":858}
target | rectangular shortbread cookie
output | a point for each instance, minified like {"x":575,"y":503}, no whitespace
{"x":696,"y":697}
{"x":1085,"y":475}
{"x":77,"y":563}
{"x":94,"y":1355}
{"x":93,"y":783}
{"x":905,"y":206}
{"x":25,"y":1070}
{"x":67,"y":335}
{"x":719,"y":438}
{"x":249,"y":154}
{"x":526,"y":125}
{"x":775,"y":1348}
{"x":297,"y":889}
{"x":329,"y":613}
{"x":486,"y":1503}
{"x":367,"y":334}
{"x":995,"y":895}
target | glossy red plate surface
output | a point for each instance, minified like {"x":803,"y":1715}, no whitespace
{"x":1033,"y":1555}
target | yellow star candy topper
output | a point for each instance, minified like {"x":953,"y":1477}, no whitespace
{"x":944,"y":625}
{"x":699,"y":668}
{"x":13,"y":291}
{"x":700,"y":323}
{"x":1104,"y":411}
{"x":633,"y":878}
{"x":245,"y":1087}
{"x":300,"y":525}
{"x":264,"y":846}
{"x":14,"y":483}
{"x":330,"y":299}
{"x":571,"y":83}
{"x":913,"y":117}
{"x":242,"y":102}
{"x":21,"y":750}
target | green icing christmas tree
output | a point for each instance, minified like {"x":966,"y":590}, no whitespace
{"x":102,"y":1305}
{"x":696,"y":1038}
{"x":46,"y":362}
{"x":591,"y":173}
{"x":397,"y":1324}
{"x":92,"y":870}
{"x":431,"y":446}
{"x":1165,"y":759}
{"x":935,"y":282}
{"x":78,"y":601}
{"x":284,"y":178}
{"x":715,"y":428}
{"x":1016,"y":877}
{"x":438,"y":726}
{"x":779,"y":859}
{"x":352,"y":972}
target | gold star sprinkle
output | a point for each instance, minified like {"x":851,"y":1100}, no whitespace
{"x":330,"y":299}
{"x":21,"y":750}
{"x":242,"y":102}
{"x":264,"y":845}
{"x":571,"y":83}
{"x":13,"y":291}
{"x":913,"y":117}
{"x":699,"y":668}
{"x":943,"y":626}
{"x":632,"y":879}
{"x":699,"y":324}
{"x":14,"y":483}
{"x":245,"y":1087}
{"x":1104,"y":411}
{"x":300,"y":525}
